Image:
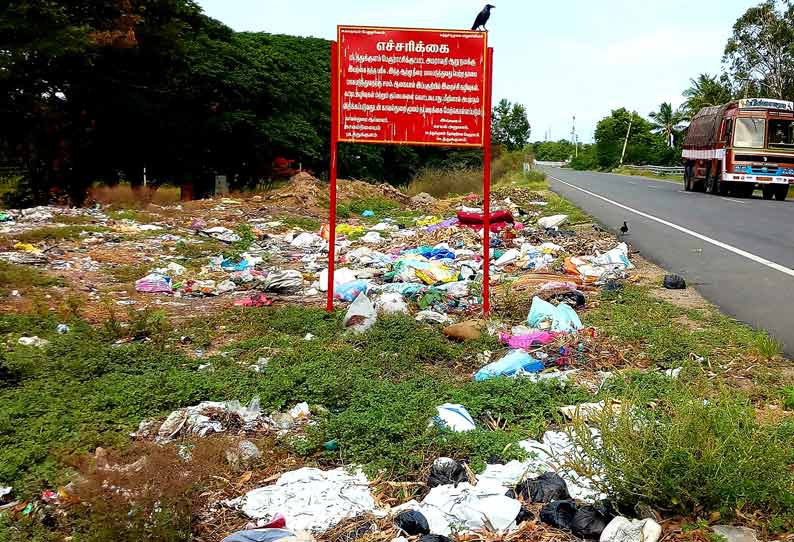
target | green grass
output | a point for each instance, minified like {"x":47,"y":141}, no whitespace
{"x":532,"y":180}
{"x":302,"y":222}
{"x":20,"y":277}
{"x":381,"y":389}
{"x":380,"y":206}
{"x":560,"y":206}
{"x":53,"y":234}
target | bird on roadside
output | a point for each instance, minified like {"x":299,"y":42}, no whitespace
{"x":624,"y":229}
{"x":482,"y":18}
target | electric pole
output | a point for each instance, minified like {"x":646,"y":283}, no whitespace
{"x":573,"y":138}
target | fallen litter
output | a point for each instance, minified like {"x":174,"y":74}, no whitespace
{"x":310,"y":499}
{"x":455,"y":418}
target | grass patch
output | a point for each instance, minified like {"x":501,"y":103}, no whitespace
{"x":70,"y":220}
{"x":380,"y":389}
{"x":532,"y":180}
{"x":302,"y":222}
{"x":560,"y":206}
{"x":648,"y":174}
{"x":65,"y":233}
{"x":20,"y":277}
{"x":441,"y":183}
{"x":380,"y":206}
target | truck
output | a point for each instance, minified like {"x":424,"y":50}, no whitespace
{"x":736,"y":148}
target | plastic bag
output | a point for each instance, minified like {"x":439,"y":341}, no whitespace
{"x":351,"y":290}
{"x":258,"y":535}
{"x":621,"y":529}
{"x":545,"y":488}
{"x":361,"y":315}
{"x":391,"y":303}
{"x":433,"y":538}
{"x":559,"y":514}
{"x":446,"y":471}
{"x":562,"y":318}
{"x":412,"y":522}
{"x":552,"y":221}
{"x":284,"y":281}
{"x":455,"y":418}
{"x":674,"y":282}
{"x":514,"y":362}
{"x":590,"y":521}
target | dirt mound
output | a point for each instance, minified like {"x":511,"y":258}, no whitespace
{"x":308,"y":192}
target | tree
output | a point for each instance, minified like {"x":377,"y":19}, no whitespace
{"x":666,"y":121}
{"x":553,"y":151}
{"x":705,"y":91}
{"x":644,"y":147}
{"x":510,"y":125}
{"x":760,"y":52}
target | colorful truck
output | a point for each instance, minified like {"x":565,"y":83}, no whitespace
{"x":733,"y":149}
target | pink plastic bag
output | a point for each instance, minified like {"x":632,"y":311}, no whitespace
{"x":537,"y":338}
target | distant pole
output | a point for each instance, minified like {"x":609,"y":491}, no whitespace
{"x":626,"y":142}
{"x":573,"y":138}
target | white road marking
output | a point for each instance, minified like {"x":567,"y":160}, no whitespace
{"x":730,"y":248}
{"x":734,"y":200}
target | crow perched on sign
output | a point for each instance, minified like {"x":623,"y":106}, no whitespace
{"x":483,"y":17}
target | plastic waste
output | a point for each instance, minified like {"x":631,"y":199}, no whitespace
{"x":622,"y":529}
{"x":154,"y":283}
{"x":508,"y":257}
{"x":434,"y":538}
{"x":515,"y":362}
{"x":289,"y":281}
{"x":259,"y":535}
{"x":256,"y":300}
{"x":674,"y":282}
{"x":552,"y":221}
{"x":545,"y":488}
{"x":341,"y":276}
{"x":361,"y":314}
{"x":310,"y":499}
{"x":368,"y":214}
{"x":372,"y":237}
{"x":591,"y":520}
{"x":222,"y":234}
{"x":306,"y":240}
{"x":446,"y":471}
{"x":351,"y":290}
{"x":528,"y":340}
{"x":34,"y":341}
{"x":455,"y":418}
{"x":62,"y":329}
{"x":559,"y":514}
{"x":432,"y":317}
{"x":544,"y":315}
{"x":391,"y":303}
{"x":412,"y":522}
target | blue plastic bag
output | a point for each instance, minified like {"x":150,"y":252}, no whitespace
{"x":562,"y":317}
{"x":515,"y":361}
{"x":349,"y":291}
{"x":368,"y":214}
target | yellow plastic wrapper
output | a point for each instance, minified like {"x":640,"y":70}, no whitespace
{"x":428,"y":221}
{"x":27,"y":247}
{"x":439,"y":274}
{"x":348,"y":229}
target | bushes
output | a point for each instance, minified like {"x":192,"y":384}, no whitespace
{"x":693,"y":455}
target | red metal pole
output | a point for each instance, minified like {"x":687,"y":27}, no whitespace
{"x":486,"y":182}
{"x":332,"y":174}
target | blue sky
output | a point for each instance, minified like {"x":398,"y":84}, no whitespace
{"x":559,"y":58}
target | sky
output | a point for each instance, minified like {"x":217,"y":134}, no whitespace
{"x":559,"y":58}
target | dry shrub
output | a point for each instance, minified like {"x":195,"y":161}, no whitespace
{"x":124,"y":196}
{"x":440,"y":183}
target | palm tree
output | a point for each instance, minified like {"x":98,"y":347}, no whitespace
{"x":667,"y":122}
{"x":705,"y":91}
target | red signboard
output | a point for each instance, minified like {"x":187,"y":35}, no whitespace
{"x":411,"y":86}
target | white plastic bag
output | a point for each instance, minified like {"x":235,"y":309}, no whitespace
{"x":361,"y":315}
{"x":552,"y":221}
{"x":391,"y":303}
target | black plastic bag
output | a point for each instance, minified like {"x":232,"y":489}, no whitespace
{"x":574,"y":298}
{"x":446,"y":471}
{"x":590,"y":521}
{"x":524,"y":515}
{"x":433,"y":538}
{"x":545,"y":488}
{"x":559,"y":514}
{"x":412,"y":522}
{"x":674,"y":282}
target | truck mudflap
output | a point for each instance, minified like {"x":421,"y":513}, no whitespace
{"x":759,"y":179}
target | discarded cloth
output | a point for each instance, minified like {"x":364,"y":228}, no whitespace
{"x":154,"y":283}
{"x":454,"y":417}
{"x":311,"y":499}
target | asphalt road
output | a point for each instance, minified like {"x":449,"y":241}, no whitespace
{"x":738,"y":253}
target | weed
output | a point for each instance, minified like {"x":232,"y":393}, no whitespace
{"x":65,"y":233}
{"x":380,"y":206}
{"x":768,"y":346}
{"x":302,"y":222}
{"x":691,"y":454}
{"x":444,"y":182}
{"x":129,"y":273}
{"x":20,"y":277}
{"x":72,"y":220}
{"x":560,"y":206}
{"x":150,"y":325}
{"x":236,"y":250}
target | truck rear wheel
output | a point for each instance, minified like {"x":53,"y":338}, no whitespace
{"x":781,"y":192}
{"x":689,"y":180}
{"x":714,"y":185}
{"x":768,"y":191}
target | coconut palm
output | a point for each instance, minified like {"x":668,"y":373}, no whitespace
{"x":705,"y":90}
{"x":667,"y":121}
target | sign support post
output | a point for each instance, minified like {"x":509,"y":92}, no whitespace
{"x":332,"y":175}
{"x":486,"y":188}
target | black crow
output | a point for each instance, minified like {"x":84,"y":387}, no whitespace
{"x":483,"y":17}
{"x":624,"y":229}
